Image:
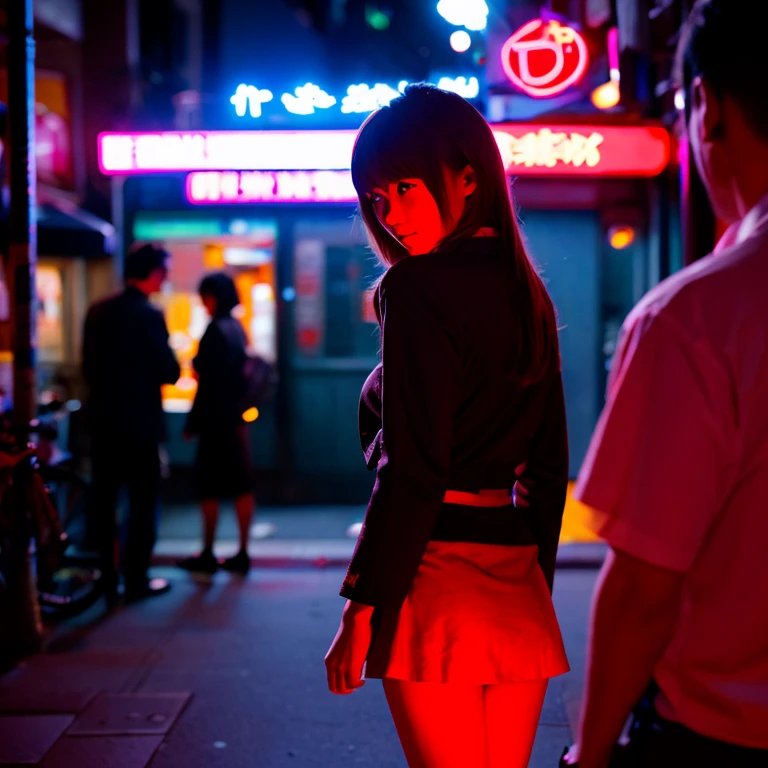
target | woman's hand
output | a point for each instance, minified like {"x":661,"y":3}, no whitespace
{"x":572,"y":756}
{"x":346,"y":656}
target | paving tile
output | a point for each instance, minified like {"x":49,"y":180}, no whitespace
{"x":116,"y":714}
{"x":66,"y":673}
{"x":40,"y":702}
{"x":102,"y":752}
{"x":554,"y":711}
{"x":24,"y":739}
{"x":549,"y":745}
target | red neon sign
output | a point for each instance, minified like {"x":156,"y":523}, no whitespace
{"x":543,"y":58}
{"x":583,"y":150}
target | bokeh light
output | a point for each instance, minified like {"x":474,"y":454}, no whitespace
{"x":461,"y":41}
{"x":607,"y":95}
{"x":621,"y":237}
{"x":251,"y":415}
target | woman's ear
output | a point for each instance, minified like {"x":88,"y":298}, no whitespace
{"x":468,"y":181}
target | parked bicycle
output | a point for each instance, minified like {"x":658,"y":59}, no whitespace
{"x":32,"y":493}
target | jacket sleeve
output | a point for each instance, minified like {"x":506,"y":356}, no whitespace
{"x":420,"y":373}
{"x":166,"y":365}
{"x":545,"y":477}
{"x":205,"y":365}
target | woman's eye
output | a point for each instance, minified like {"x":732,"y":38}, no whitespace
{"x":375,"y":198}
{"x":403,"y":187}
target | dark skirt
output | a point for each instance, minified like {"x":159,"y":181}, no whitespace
{"x":223,"y":465}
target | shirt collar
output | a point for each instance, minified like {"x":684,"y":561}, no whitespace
{"x":132,"y":290}
{"x":739,"y":231}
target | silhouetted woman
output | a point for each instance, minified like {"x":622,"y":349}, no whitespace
{"x":449,"y":587}
{"x":222,"y":468}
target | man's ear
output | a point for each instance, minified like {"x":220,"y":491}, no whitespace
{"x":468,"y":180}
{"x":705,"y":102}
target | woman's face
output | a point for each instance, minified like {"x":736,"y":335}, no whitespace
{"x":408,"y":211}
{"x":209,"y":302}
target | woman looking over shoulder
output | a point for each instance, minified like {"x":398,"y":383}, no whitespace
{"x":448,"y":591}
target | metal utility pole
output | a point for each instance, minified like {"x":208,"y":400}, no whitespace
{"x":20,"y":624}
{"x":22,"y":250}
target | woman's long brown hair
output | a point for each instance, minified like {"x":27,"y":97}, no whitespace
{"x":417,"y":136}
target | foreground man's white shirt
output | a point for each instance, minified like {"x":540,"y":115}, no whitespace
{"x":677,"y":476}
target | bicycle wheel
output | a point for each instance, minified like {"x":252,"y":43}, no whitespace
{"x":68,"y":493}
{"x":70,"y":591}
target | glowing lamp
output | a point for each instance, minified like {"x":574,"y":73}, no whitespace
{"x":607,"y":95}
{"x":621,"y":237}
{"x":251,"y":415}
{"x":460,"y":41}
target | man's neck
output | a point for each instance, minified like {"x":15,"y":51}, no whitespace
{"x":138,"y":285}
{"x":750,"y":172}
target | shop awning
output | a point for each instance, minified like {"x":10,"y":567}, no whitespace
{"x":67,"y":230}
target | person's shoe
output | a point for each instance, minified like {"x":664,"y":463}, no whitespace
{"x":240,"y":563}
{"x":205,"y":563}
{"x":151,"y":588}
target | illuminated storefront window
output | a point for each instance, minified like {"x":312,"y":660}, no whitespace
{"x":50,"y":321}
{"x":243,"y":247}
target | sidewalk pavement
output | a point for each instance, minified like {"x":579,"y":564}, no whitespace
{"x":316,"y":536}
{"x":228,"y":673}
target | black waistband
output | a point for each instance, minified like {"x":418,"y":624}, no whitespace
{"x":482,"y":525}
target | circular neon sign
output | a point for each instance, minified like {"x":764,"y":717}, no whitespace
{"x":543,"y":58}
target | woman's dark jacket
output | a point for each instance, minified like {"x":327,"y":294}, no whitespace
{"x":219,"y":365}
{"x":445,"y":410}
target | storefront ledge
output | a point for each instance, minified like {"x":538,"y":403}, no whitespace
{"x":328,"y":553}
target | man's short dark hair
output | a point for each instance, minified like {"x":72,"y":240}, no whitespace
{"x":723,"y":42}
{"x":143,"y":260}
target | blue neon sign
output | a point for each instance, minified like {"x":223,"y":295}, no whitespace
{"x":360,"y":98}
{"x":305,"y":99}
{"x":249,"y":98}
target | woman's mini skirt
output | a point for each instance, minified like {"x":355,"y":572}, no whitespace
{"x":223,"y":466}
{"x":476,"y":614}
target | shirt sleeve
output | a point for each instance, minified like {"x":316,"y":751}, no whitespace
{"x":663,"y":456}
{"x":420,"y":373}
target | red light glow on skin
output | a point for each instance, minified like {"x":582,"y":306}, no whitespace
{"x":409,"y":212}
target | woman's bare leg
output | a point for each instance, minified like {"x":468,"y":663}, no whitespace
{"x":210,"y":519}
{"x":440,"y":726}
{"x":244,"y":508}
{"x":512,"y":714}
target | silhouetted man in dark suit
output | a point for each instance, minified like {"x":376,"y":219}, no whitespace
{"x":126,"y":359}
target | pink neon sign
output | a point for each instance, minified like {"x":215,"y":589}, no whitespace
{"x":125,"y":153}
{"x":544,"y":58}
{"x":224,"y":187}
{"x":527,"y":149}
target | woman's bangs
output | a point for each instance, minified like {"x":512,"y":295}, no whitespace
{"x":385,"y":153}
